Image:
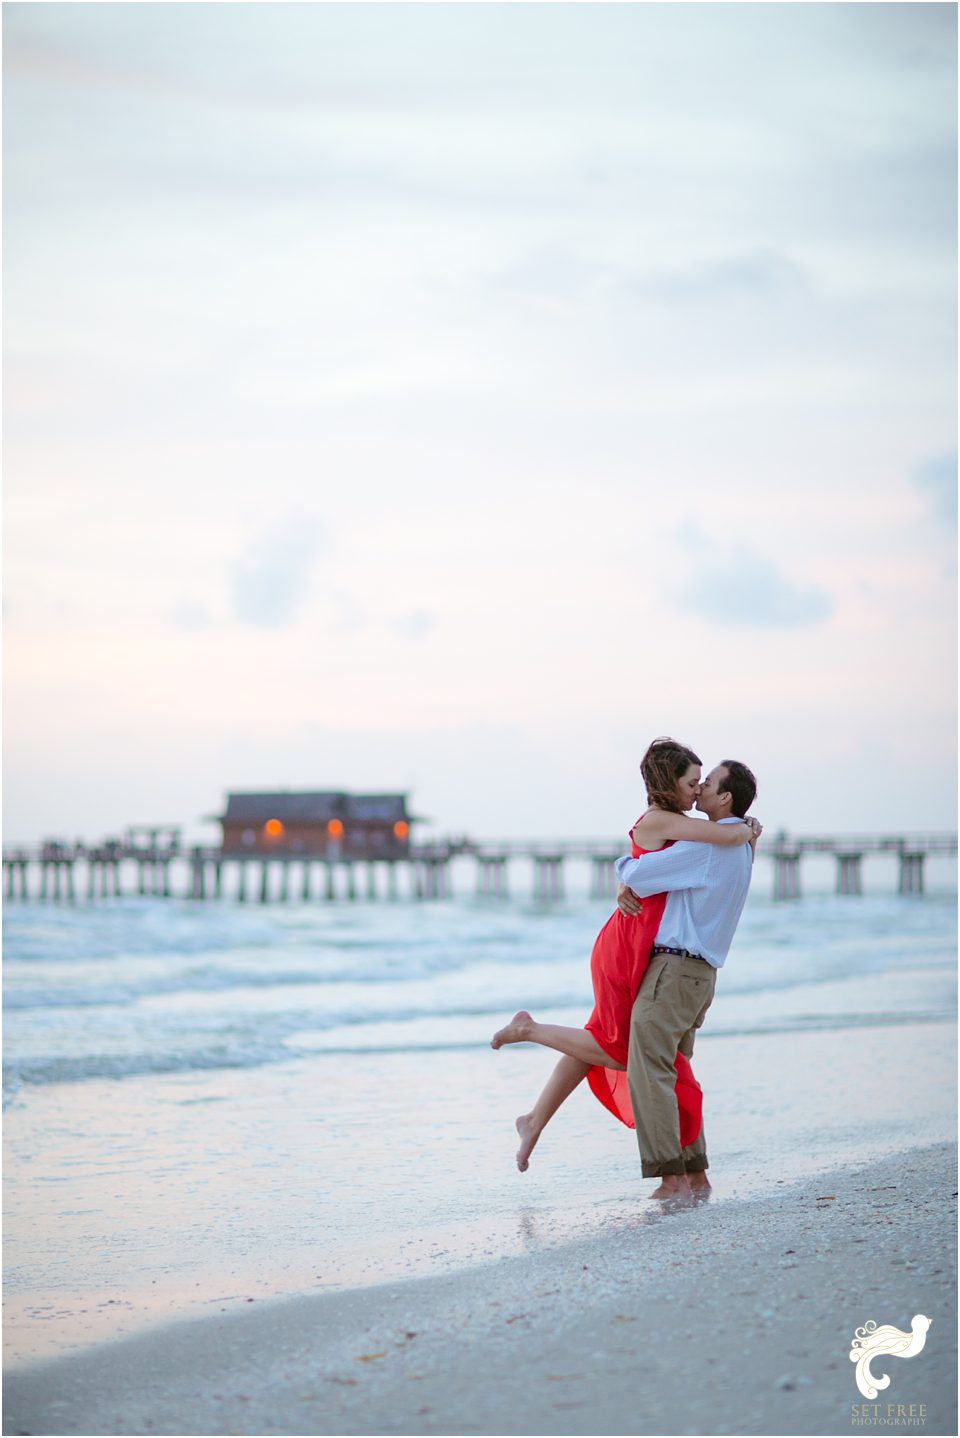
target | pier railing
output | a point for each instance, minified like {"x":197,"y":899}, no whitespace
{"x":58,"y":871}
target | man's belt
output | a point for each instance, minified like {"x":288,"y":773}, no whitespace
{"x":683,"y":953}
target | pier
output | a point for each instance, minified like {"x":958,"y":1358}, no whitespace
{"x":849,"y":852}
{"x":152,"y":861}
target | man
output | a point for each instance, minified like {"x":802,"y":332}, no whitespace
{"x":706,"y":888}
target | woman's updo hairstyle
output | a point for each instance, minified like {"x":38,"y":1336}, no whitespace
{"x":664,"y":763}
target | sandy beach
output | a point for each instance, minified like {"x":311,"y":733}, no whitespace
{"x":728,"y":1316}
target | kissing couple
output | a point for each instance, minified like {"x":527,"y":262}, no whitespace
{"x":654,"y":968}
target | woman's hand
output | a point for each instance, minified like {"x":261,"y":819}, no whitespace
{"x":627,"y":902}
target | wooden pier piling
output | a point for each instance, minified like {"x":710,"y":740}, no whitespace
{"x":198,"y":871}
{"x":548,"y":876}
{"x":911,"y":873}
{"x":492,"y":875}
{"x":603,"y":876}
{"x":786,"y":879}
{"x":849,"y":875}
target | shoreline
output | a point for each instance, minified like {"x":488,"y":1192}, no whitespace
{"x":166,"y":1198}
{"x":698,"y":1317}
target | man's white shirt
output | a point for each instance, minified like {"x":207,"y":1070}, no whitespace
{"x":706,"y":887}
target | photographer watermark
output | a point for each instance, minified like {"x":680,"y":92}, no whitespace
{"x":888,"y":1415}
{"x":871,"y":1343}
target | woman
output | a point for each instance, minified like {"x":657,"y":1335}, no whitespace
{"x":621,"y":953}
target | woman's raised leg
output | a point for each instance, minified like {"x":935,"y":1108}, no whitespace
{"x":577,"y":1043}
{"x":568,"y":1073}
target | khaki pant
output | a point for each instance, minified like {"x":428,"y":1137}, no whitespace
{"x":673,"y":1000}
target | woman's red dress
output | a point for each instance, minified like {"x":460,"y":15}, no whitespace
{"x":617,"y":966}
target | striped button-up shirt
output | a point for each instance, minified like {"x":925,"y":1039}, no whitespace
{"x":706,"y":888}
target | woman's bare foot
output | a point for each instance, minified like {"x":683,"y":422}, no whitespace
{"x":529,"y":1133}
{"x":515,"y":1032}
{"x":672,"y":1185}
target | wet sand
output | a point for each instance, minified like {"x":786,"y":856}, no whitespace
{"x":710,"y":1317}
{"x":131,"y":1205}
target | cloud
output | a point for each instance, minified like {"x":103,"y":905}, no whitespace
{"x":553,"y":272}
{"x":188,"y":615}
{"x":936,"y":479}
{"x":269,"y":581}
{"x":749,"y":591}
{"x":760,"y":274}
{"x":416,"y":624}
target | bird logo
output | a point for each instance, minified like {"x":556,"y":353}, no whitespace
{"x":871,"y":1342}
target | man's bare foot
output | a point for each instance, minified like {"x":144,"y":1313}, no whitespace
{"x":515,"y":1032}
{"x":529,"y":1134}
{"x":672,"y":1185}
{"x":699,"y":1183}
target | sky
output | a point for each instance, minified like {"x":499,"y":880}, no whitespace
{"x":452,"y":398}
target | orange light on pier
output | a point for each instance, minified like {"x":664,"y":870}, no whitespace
{"x":335,"y":829}
{"x":273,"y":828}
{"x":401,"y":829}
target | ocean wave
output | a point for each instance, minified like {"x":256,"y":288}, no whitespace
{"x":25,"y":999}
{"x":313,"y":1044}
{"x":82,"y":1068}
{"x":561,"y":982}
{"x":166,"y":987}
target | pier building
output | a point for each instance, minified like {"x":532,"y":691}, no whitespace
{"x":321,"y":824}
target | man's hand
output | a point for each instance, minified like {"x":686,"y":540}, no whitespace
{"x":627,"y":902}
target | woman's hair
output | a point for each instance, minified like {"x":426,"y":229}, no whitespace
{"x":664,"y":763}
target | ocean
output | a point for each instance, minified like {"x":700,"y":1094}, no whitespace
{"x":208,"y":1104}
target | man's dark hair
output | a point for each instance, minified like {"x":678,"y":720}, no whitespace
{"x":740,"y":783}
